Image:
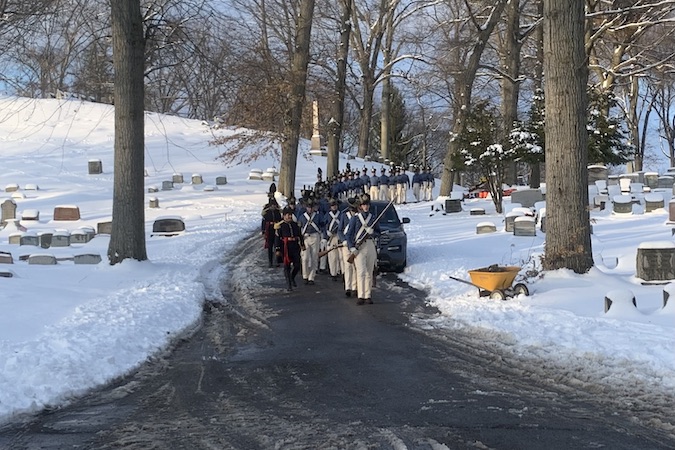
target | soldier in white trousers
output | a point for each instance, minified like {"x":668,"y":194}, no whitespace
{"x":361,"y":234}
{"x":310,"y":225}
{"x":348,"y":270}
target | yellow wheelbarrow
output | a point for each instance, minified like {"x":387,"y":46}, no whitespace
{"x":496,"y":282}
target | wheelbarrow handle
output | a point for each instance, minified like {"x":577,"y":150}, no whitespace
{"x":464,"y":281}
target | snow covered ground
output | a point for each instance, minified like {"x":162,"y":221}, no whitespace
{"x":68,"y":327}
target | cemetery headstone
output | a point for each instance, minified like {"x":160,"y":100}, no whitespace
{"x":656,"y":261}
{"x":477,"y":212}
{"x":8,"y":210}
{"x":651,"y":179}
{"x":620,"y":298}
{"x":15,"y":238}
{"x":453,"y":205}
{"x":154,"y":202}
{"x":31,"y":187}
{"x":79,"y":237}
{"x":197,"y":179}
{"x":167,"y":185}
{"x":12,"y":187}
{"x":87,"y":258}
{"x":485,"y":228}
{"x":95,"y":166}
{"x":255,"y":174}
{"x":61,"y":239}
{"x":104,"y":227}
{"x":42,"y":259}
{"x":524,"y":226}
{"x":665,"y":181}
{"x":596,"y":172}
{"x":220,"y":181}
{"x":66,"y":213}
{"x":168,"y":226}
{"x":527,"y":197}
{"x":6,"y":258}
{"x":177,"y":178}
{"x":45,"y":239}
{"x":623,"y":204}
{"x":29,"y":238}
{"x":152,"y":189}
{"x":30,"y":214}
{"x":510,"y":219}
{"x":653,"y":201}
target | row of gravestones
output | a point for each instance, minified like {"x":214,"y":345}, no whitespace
{"x":61,"y":213}
{"x":48,"y":260}
{"x":59,"y":238}
{"x":197,"y":179}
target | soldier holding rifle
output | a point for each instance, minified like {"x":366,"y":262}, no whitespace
{"x":332,"y":222}
{"x":348,"y":269}
{"x":289,"y":243}
{"x":361,"y":234}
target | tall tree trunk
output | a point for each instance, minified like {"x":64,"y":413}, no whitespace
{"x":568,"y":234}
{"x":296,"y":101}
{"x":510,"y":86}
{"x":335,"y":125}
{"x":127,"y":238}
{"x":366,"y":115}
{"x":538,"y":85}
{"x":462,"y":102}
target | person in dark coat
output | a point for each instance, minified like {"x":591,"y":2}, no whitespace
{"x":271,"y":214}
{"x":288,"y":244}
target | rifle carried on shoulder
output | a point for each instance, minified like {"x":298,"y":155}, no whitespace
{"x":323,"y":253}
{"x":351,"y":257}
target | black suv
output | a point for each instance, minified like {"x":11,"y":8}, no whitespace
{"x":392,"y":245}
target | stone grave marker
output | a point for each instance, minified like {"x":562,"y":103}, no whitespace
{"x":527,"y":197}
{"x":197,"y":179}
{"x":485,"y":228}
{"x":31,"y":187}
{"x":623,"y":204}
{"x":87,"y":258}
{"x":29,"y":238}
{"x":168,"y":226}
{"x":6,"y":258}
{"x":152,"y":189}
{"x":95,"y":166}
{"x":15,"y":238}
{"x":45,"y":238}
{"x":620,"y":298}
{"x":510,"y":219}
{"x":30,"y":214}
{"x":12,"y":187}
{"x":8,"y":209}
{"x":91,"y":232}
{"x":66,"y":213}
{"x":665,"y":182}
{"x":255,"y":174}
{"x":656,"y":261}
{"x":167,"y":185}
{"x":651,"y":180}
{"x":43,"y":259}
{"x":104,"y":227}
{"x":477,"y":212}
{"x":177,"y":178}
{"x":524,"y":226}
{"x":596,"y":172}
{"x":220,"y":181}
{"x":18,"y":195}
{"x":209,"y":188}
{"x":653,"y":201}
{"x":453,"y":205}
{"x":79,"y":237}
{"x":154,"y":202}
{"x":61,"y":238}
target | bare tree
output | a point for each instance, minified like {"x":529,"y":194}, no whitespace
{"x":127,"y":238}
{"x":464,"y":78}
{"x":296,"y":99}
{"x":568,"y":234}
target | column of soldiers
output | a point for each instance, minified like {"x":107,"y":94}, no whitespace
{"x":331,"y":229}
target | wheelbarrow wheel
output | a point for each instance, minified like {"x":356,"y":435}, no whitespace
{"x":520,"y":288}
{"x":498,"y":294}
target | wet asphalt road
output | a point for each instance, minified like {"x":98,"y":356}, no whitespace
{"x":312,"y":370}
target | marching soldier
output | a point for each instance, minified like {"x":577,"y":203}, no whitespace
{"x":332,"y":221}
{"x":428,"y":184}
{"x":361,"y":234}
{"x":347,"y":269}
{"x":271,"y":214}
{"x":288,"y":244}
{"x":310,"y":226}
{"x":384,"y":185}
{"x":374,"y":184}
{"x":417,"y":181}
{"x":403,"y":184}
{"x":393,"y":182}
